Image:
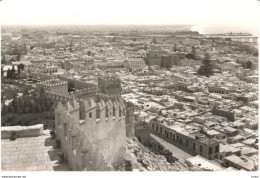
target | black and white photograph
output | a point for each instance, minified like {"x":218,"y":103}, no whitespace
{"x":129,"y":85}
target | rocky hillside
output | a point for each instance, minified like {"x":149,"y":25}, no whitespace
{"x":142,"y":159}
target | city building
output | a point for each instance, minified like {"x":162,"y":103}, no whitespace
{"x":134,"y":64}
{"x":189,"y":140}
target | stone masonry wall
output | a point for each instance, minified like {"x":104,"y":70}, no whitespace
{"x":95,"y":144}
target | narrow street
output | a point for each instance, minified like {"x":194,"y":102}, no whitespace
{"x":176,"y":152}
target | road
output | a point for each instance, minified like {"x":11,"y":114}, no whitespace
{"x":176,"y":152}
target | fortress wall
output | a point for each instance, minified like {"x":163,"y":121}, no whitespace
{"x":58,"y":98}
{"x":105,"y":137}
{"x":77,"y":83}
{"x":61,"y":89}
{"x":22,"y":131}
{"x":113,"y":141}
{"x":41,"y":76}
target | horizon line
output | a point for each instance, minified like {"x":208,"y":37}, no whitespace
{"x":101,"y":24}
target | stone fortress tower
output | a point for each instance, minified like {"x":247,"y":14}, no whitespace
{"x":92,"y":134}
{"x":109,"y":85}
{"x":92,"y":131}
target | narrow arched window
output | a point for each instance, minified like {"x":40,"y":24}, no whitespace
{"x":120,"y":112}
{"x":106,"y":113}
{"x":114,"y":112}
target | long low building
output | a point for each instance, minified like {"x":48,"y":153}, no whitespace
{"x":243,"y":162}
{"x":192,"y":141}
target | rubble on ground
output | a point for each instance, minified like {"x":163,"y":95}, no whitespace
{"x":144,"y":160}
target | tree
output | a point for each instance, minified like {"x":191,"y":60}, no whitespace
{"x":37,"y":106}
{"x":15,"y":105}
{"x":42,"y":92}
{"x":3,"y":59}
{"x":71,"y":46}
{"x":28,"y":106}
{"x":14,"y":96}
{"x":2,"y":72}
{"x":249,"y":65}
{"x":25,"y":92}
{"x":21,"y":67}
{"x":4,"y":109}
{"x":71,"y":87}
{"x":25,"y":49}
{"x":10,"y":109}
{"x":2,"y":99}
{"x":8,"y":74}
{"x":31,"y":109}
{"x":20,"y":106}
{"x":206,"y":67}
{"x":190,"y":56}
{"x":18,"y":57}
{"x":15,"y":50}
{"x":12,"y":76}
{"x":154,"y":41}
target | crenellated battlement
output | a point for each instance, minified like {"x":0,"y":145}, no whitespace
{"x":78,"y":84}
{"x":86,"y":91}
{"x":90,"y":109}
{"x":58,"y":97}
{"x":54,"y":86}
{"x":51,"y":83}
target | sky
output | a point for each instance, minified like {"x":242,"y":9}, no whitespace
{"x":139,"y":12}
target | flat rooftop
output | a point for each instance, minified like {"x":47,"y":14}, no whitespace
{"x":244,"y":162}
{"x":31,"y":154}
{"x":204,"y":164}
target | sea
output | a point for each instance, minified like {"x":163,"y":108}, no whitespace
{"x":222,"y":29}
